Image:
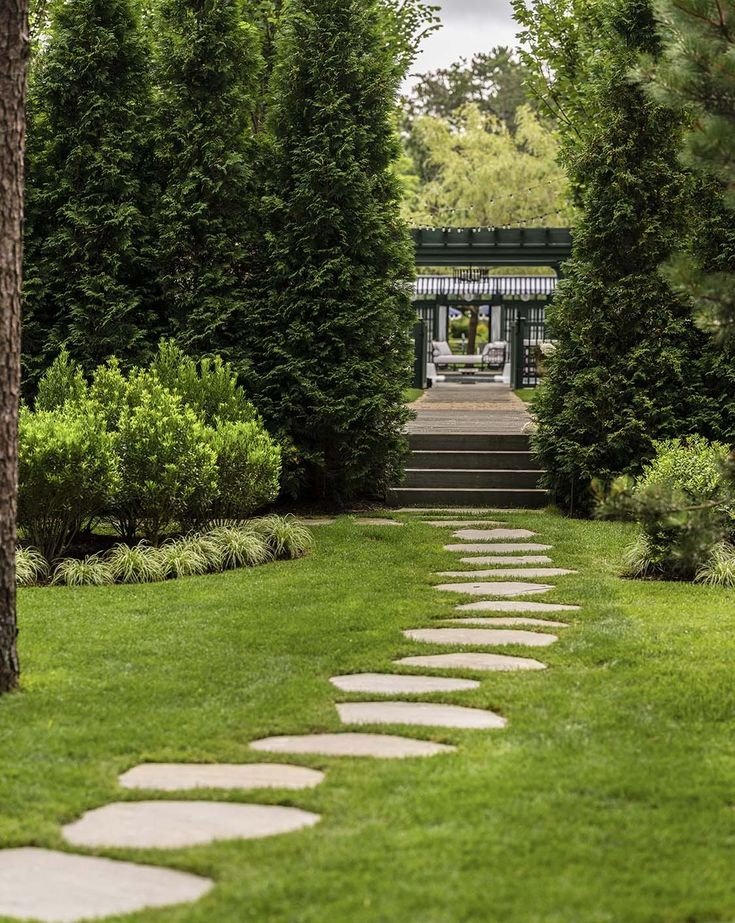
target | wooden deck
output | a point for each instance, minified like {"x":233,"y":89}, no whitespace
{"x":481,"y":408}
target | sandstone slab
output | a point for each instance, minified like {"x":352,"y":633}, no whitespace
{"x":422,"y":714}
{"x":483,"y":637}
{"x":514,"y":605}
{"x":494,"y":535}
{"x":380,"y":746}
{"x":318,"y":521}
{"x":378,"y":522}
{"x":399,"y":684}
{"x":509,"y":572}
{"x":459,"y":523}
{"x":509,"y":621}
{"x":176,"y":824}
{"x":500,"y":548}
{"x":495,"y":589}
{"x":504,"y":560}
{"x":178,"y":777}
{"x":55,"y":887}
{"x":495,"y":663}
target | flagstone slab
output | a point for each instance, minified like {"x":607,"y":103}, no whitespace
{"x":504,"y":560}
{"x":400,"y":684}
{"x":378,"y":522}
{"x":495,"y":589}
{"x":514,"y":605}
{"x":509,"y":572}
{"x":176,"y":824}
{"x":495,"y":663}
{"x":493,"y":535}
{"x":484,"y":637}
{"x":509,"y":621}
{"x":458,"y":523}
{"x":177,"y":777}
{"x":421,"y":714}
{"x":55,"y":887}
{"x":379,"y":746}
{"x":500,"y":548}
{"x":320,"y":521}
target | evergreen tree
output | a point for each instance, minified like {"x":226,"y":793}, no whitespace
{"x":208,"y":72}
{"x":630,"y":365}
{"x":330,"y":335}
{"x":87,"y":195}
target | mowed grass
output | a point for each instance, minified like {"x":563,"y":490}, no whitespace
{"x":608,"y":799}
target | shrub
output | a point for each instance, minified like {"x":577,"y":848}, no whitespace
{"x":63,"y":382}
{"x":241,"y":546}
{"x":92,"y":571}
{"x":248,"y":469}
{"x":68,"y":472}
{"x":285,"y":535}
{"x":693,"y":465}
{"x":139,"y":564}
{"x":30,"y":566}
{"x":166,"y":464}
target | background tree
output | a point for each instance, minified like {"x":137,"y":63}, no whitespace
{"x":328,"y":336}
{"x":208,"y":72}
{"x":13,"y":54}
{"x":630,"y":366}
{"x":87,"y":197}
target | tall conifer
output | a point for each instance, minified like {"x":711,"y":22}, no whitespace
{"x":330,"y":336}
{"x":87,"y":192}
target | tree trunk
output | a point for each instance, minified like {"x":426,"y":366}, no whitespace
{"x":472,"y":334}
{"x":13,"y":57}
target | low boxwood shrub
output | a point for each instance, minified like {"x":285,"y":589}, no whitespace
{"x":68,"y":473}
{"x":248,"y":469}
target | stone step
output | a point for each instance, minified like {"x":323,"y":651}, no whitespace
{"x":468,"y":442}
{"x":505,"y":479}
{"x":487,"y":461}
{"x":490,"y":498}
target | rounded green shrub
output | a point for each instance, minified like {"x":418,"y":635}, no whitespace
{"x":68,"y":472}
{"x":63,"y":382}
{"x":693,"y":465}
{"x":248,"y":469}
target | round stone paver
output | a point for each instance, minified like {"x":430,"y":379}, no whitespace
{"x":510,"y":620}
{"x":380,"y":746}
{"x":502,"y":548}
{"x":493,"y":535}
{"x":458,"y":523}
{"x":484,"y":637}
{"x":510,"y":572}
{"x":421,"y":714}
{"x":495,"y":589}
{"x":399,"y":684}
{"x":496,"y":663}
{"x":55,"y":887}
{"x":175,"y":824}
{"x":504,"y":560}
{"x":514,"y":605}
{"x":178,"y":777}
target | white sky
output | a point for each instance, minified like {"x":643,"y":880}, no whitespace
{"x":469,"y":26}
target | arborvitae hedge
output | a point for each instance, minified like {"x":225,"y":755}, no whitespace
{"x":88,"y":194}
{"x":630,"y":365}
{"x":329,"y":336}
{"x":208,"y":70}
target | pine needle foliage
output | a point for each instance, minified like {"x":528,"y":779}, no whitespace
{"x":88,"y":190}
{"x":207,"y":72}
{"x":329,"y":335}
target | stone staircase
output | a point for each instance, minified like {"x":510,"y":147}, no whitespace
{"x":457,"y":469}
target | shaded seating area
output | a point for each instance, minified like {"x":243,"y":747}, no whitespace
{"x":491,"y":358}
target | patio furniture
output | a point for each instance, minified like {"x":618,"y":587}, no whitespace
{"x":443,"y":357}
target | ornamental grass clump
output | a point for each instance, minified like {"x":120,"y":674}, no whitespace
{"x":92,"y":571}
{"x":30,"y":566}
{"x":286,"y":536}
{"x":241,"y":546}
{"x":139,"y":564}
{"x":719,"y":570}
{"x":183,"y":557}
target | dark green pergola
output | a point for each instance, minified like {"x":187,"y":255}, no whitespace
{"x":492,"y":246}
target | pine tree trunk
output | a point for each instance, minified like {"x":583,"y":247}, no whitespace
{"x":13,"y":55}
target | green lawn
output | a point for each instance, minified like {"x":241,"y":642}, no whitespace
{"x":526,"y":394}
{"x":608,"y":799}
{"x":412,"y":394}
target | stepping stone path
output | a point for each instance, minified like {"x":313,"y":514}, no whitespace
{"x":56,"y":887}
{"x":485,"y":637}
{"x":510,"y":572}
{"x":421,"y":714}
{"x":382,"y":746}
{"x":498,"y":622}
{"x":507,"y":605}
{"x":175,"y":824}
{"x":493,"y":535}
{"x":496,"y":663}
{"x":495,"y":589}
{"x":504,"y":560}
{"x":400,"y":684}
{"x":500,"y":548}
{"x":321,"y":521}
{"x":179,"y":777}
